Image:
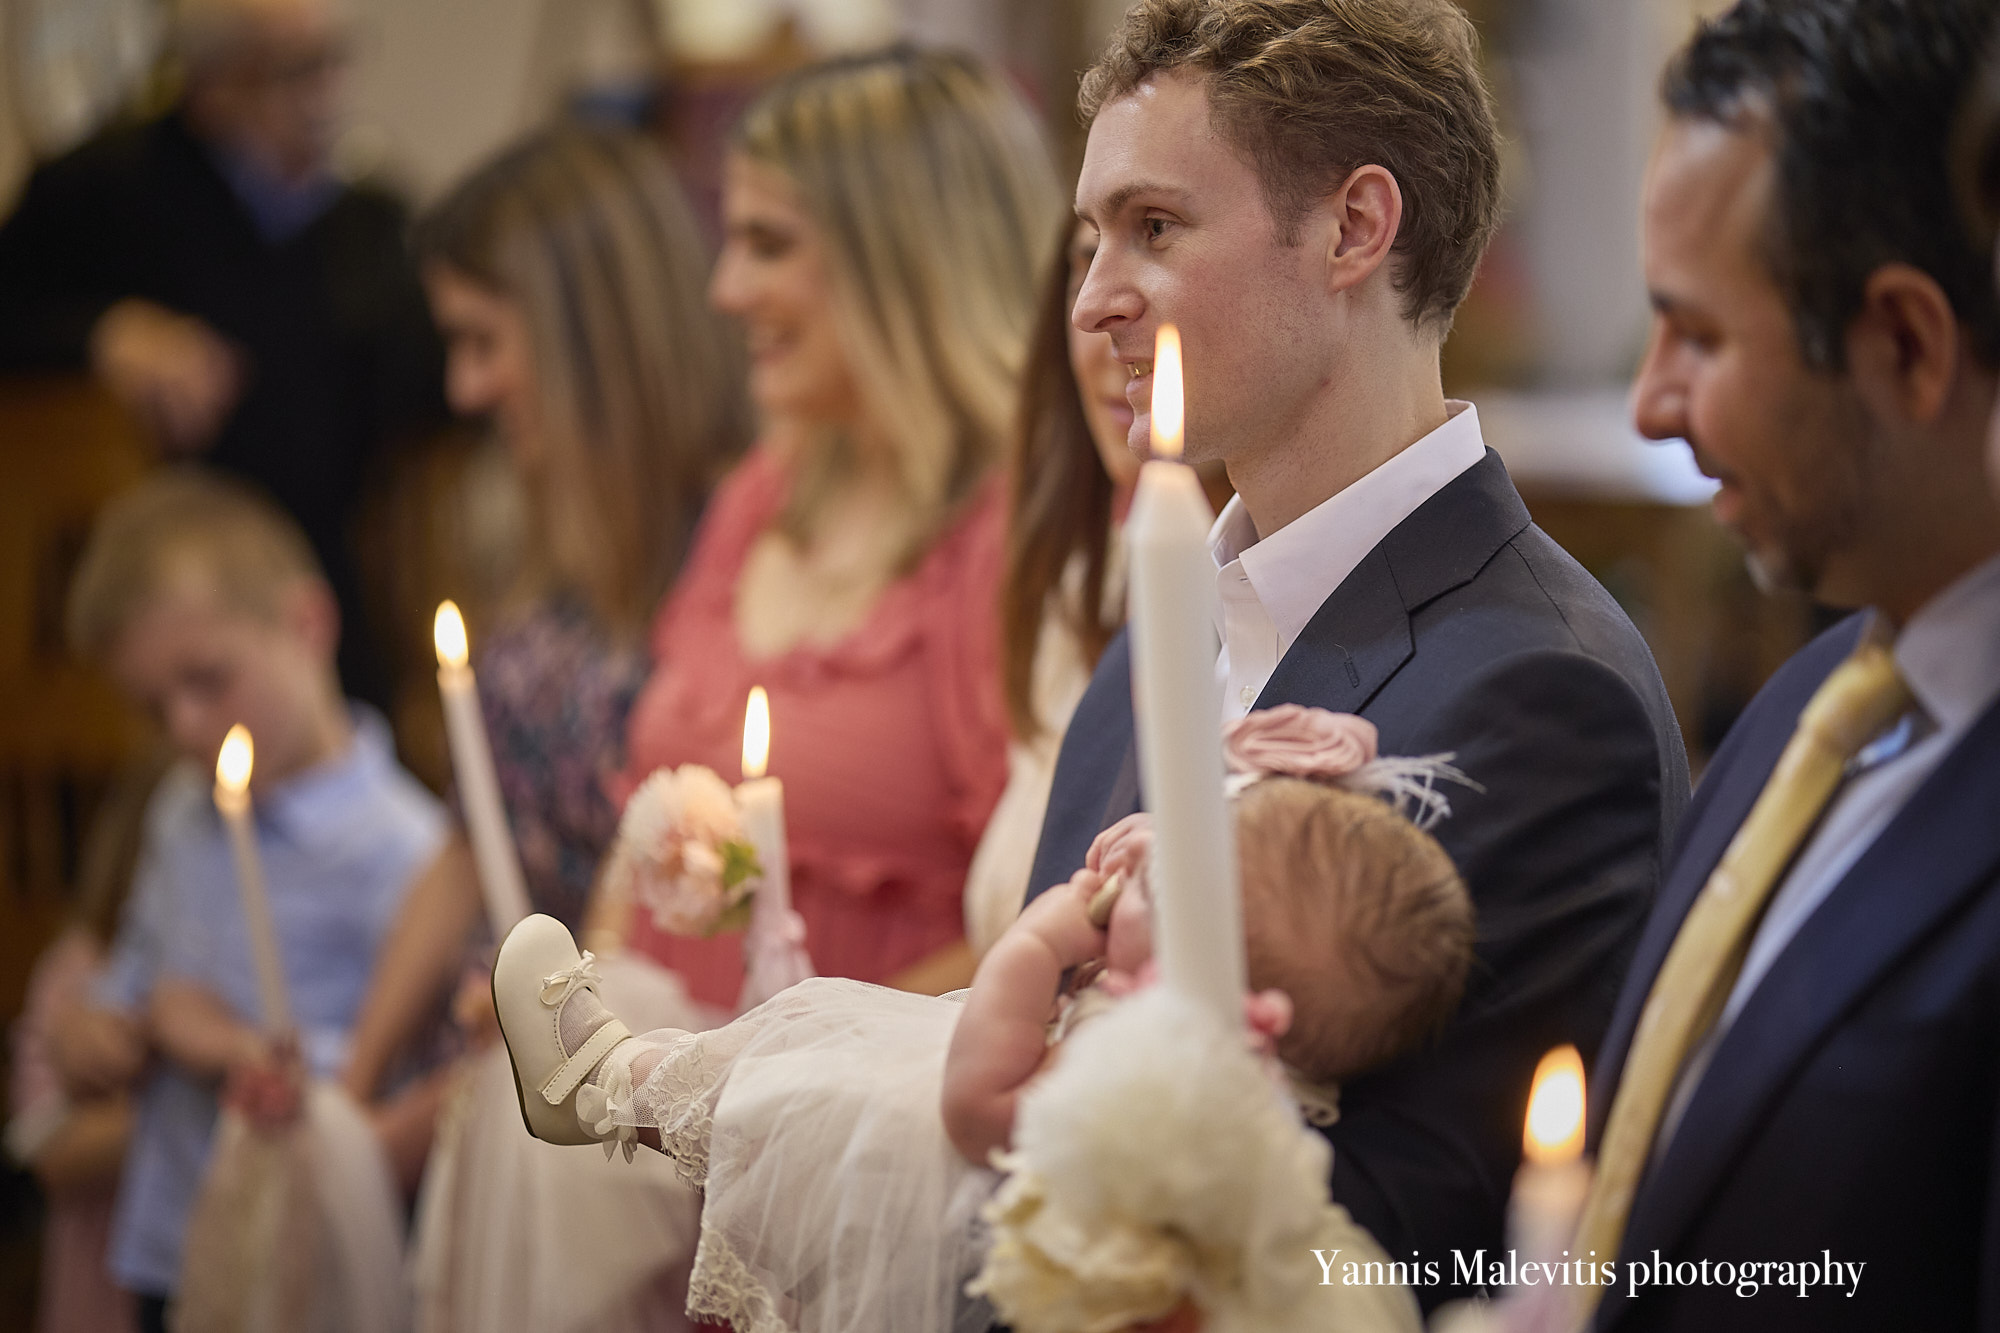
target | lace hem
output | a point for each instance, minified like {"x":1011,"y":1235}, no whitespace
{"x":678,"y":1095}
{"x":723,"y":1288}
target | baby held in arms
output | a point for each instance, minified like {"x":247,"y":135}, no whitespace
{"x":841,"y":1132}
{"x":1357,"y":927}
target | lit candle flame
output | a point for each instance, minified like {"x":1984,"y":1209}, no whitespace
{"x":448,"y":633}
{"x":1169,"y":402}
{"x":1555,"y":1109}
{"x":756,"y":734}
{"x":232,"y":766}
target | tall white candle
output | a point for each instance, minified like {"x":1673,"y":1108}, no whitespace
{"x":478,"y":786}
{"x":1549,"y":1191}
{"x":1197,"y":910}
{"x":232,"y":798}
{"x":760,"y":800}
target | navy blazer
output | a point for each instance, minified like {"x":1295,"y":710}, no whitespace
{"x":1466,"y":630}
{"x":1853,"y":1104}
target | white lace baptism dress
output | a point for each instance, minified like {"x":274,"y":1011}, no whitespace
{"x":833,"y":1201}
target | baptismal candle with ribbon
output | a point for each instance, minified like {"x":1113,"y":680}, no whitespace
{"x":1197,"y":909}
{"x":760,"y":802}
{"x":478,"y":785}
{"x":232,"y":799}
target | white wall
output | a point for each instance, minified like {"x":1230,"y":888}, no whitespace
{"x":439,"y":84}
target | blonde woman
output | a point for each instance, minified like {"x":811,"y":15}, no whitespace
{"x":567,"y":275}
{"x":886,"y":224}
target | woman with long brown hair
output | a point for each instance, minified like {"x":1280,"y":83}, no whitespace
{"x":1063,"y":596}
{"x":567,"y":275}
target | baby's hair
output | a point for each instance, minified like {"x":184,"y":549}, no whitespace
{"x":1372,"y":941}
{"x":185,"y":523}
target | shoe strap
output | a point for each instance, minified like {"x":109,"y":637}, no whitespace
{"x":577,"y":1068}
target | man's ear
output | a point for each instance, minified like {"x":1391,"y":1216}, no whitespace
{"x":311,"y":613}
{"x":1364,"y":215}
{"x":1904,"y":346}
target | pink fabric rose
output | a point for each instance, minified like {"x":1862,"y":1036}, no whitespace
{"x":1298,"y":742}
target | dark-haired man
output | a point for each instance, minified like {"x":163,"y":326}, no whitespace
{"x":1304,"y":187}
{"x":1797,"y":1109}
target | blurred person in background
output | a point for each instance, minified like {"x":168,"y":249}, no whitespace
{"x":243,"y":301}
{"x":885,"y":228}
{"x":69,"y":1102}
{"x":568,"y":277}
{"x":567,"y":274}
{"x":205,"y":604}
{"x":1063,"y":594}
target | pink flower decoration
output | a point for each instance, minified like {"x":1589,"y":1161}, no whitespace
{"x":684,"y":841}
{"x":1298,"y":742}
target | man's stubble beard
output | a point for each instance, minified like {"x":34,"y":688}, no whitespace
{"x":1796,"y":561}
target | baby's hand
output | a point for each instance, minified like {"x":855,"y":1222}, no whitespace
{"x":1123,"y":848}
{"x":1060,"y":918}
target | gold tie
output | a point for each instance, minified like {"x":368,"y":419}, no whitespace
{"x":1852,"y":706}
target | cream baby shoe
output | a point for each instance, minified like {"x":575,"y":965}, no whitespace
{"x":556,"y":1028}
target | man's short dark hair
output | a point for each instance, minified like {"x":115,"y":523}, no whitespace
{"x":1861,"y":97}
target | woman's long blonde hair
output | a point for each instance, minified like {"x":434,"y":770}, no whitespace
{"x":639,"y":386}
{"x":932,"y":188}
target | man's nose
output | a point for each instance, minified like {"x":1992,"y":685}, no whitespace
{"x":1659,"y":395}
{"x":1107,"y":297}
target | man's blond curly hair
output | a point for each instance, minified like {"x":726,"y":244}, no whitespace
{"x":1308,"y":90}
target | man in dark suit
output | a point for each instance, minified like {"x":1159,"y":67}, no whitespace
{"x":1815,"y":1084}
{"x":246,"y":304}
{"x":1304,"y":187}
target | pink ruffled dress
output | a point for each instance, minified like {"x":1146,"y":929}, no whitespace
{"x":892,"y":743}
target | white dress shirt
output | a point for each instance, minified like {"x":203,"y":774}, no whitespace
{"x":1271,"y":588}
{"x":1949,"y":655}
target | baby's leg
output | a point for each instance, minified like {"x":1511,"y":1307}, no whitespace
{"x":657,"y":1089}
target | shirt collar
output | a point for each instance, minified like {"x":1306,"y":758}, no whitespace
{"x":314,"y":800}
{"x":1296,"y":568}
{"x":1949,"y":652}
{"x":278,"y":208}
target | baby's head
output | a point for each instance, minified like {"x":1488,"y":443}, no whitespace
{"x":207,"y":605}
{"x":1356,"y":914}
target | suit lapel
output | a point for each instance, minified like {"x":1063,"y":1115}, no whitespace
{"x":1691,"y":869}
{"x":1937,"y":851}
{"x":1723,"y":802}
{"x":1359,"y":637}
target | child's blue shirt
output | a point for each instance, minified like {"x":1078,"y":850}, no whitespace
{"x":340,"y":844}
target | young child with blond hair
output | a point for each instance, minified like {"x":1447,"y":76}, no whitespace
{"x":206,"y":605}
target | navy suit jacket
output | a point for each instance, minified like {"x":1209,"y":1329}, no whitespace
{"x":1466,"y":630}
{"x":1853,"y":1105}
